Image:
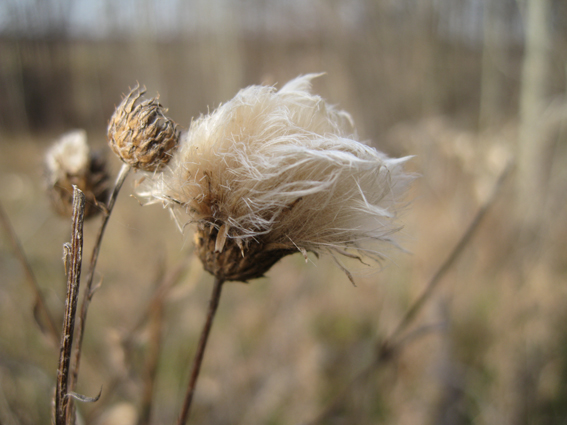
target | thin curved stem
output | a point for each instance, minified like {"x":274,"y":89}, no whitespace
{"x":393,"y":343}
{"x":451,"y":258}
{"x":213,"y":304}
{"x":40,"y":304}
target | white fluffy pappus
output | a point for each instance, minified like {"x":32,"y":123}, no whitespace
{"x":70,"y":162}
{"x":69,"y":156}
{"x":284,"y":169}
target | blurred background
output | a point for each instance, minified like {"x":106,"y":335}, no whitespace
{"x":467,"y":86}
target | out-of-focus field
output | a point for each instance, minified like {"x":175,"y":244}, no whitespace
{"x":488,"y":347}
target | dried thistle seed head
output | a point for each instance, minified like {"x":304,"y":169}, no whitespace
{"x":140,"y":133}
{"x":231,"y":259}
{"x":273,"y":172}
{"x":70,"y":162}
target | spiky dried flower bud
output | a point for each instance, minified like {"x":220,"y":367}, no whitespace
{"x":140,"y":133}
{"x":70,"y":162}
{"x":270,"y":173}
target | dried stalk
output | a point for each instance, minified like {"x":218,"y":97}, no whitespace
{"x":453,"y":256}
{"x":75,"y":256}
{"x":152,"y":360}
{"x":156,"y":301}
{"x":40,"y":304}
{"x":213,"y":304}
{"x":157,"y":298}
{"x":393,"y":343}
{"x":89,"y":290}
{"x":7,"y":416}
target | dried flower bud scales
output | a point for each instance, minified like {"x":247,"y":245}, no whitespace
{"x":140,"y":133}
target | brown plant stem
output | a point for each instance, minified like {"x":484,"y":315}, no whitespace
{"x":452,"y":257}
{"x":75,"y":255}
{"x":213,"y":304}
{"x":162,"y":287}
{"x":40,"y":303}
{"x":89,"y":290}
{"x":152,"y":361}
{"x":158,"y":297}
{"x":390,"y":346}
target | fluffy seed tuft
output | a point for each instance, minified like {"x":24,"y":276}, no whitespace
{"x":270,"y":173}
{"x":70,"y":162}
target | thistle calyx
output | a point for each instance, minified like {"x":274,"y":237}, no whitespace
{"x":140,"y":133}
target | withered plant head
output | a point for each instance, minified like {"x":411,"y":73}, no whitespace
{"x":140,"y":133}
{"x":70,"y":162}
{"x":270,"y":173}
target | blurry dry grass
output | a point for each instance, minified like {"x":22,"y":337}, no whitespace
{"x":282,"y":347}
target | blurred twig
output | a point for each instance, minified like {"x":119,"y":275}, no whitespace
{"x":89,"y":290}
{"x":453,"y":256}
{"x":213,"y":304}
{"x":385,"y":353}
{"x":388,"y":348}
{"x":161,"y":291}
{"x":152,"y":360}
{"x":40,"y":303}
{"x":7,"y":416}
{"x":74,"y":253}
{"x":152,"y":311}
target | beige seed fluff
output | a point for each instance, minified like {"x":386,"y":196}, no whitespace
{"x":70,"y":162}
{"x":282,"y":169}
{"x":69,"y":156}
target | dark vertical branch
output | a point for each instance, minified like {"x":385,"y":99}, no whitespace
{"x":534,"y":90}
{"x":213,"y":304}
{"x":74,"y":254}
{"x":491,"y":86}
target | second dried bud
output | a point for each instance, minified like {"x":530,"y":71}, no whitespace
{"x":140,"y":133}
{"x":70,"y":162}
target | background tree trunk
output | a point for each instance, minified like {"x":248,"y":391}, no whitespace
{"x":534,"y":85}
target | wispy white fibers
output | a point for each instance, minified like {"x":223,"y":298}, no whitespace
{"x":283,"y":168}
{"x":70,"y":162}
{"x":69,"y":156}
